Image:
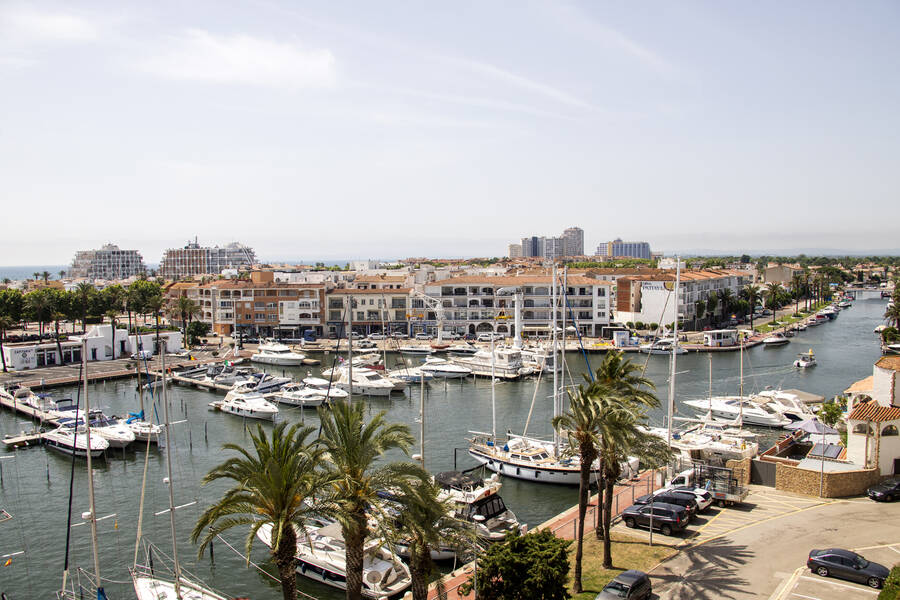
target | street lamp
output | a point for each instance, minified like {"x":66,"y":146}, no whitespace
{"x":479,"y":519}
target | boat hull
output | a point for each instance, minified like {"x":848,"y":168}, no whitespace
{"x":69,"y":451}
{"x":528,"y":473}
{"x":276,"y":360}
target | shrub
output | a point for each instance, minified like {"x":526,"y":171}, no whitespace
{"x":654,"y":325}
{"x":640,"y":325}
{"x":891,"y":589}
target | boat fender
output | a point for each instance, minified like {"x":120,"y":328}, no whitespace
{"x":506,"y":447}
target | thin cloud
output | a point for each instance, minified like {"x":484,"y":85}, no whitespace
{"x":520,"y":81}
{"x":198,"y":55}
{"x":48,"y":26}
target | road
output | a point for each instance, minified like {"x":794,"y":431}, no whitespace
{"x":763,"y":554}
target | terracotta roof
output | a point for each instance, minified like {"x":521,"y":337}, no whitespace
{"x":380,"y":278}
{"x":512,"y":280}
{"x":872,"y":411}
{"x":863,"y":385}
{"x":356,"y":292}
{"x":889,"y":362}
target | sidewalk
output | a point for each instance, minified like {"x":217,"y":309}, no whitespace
{"x":563,"y":525}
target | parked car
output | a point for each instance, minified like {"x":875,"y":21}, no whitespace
{"x":668,"y":518}
{"x":424,"y":336}
{"x":487,"y":337}
{"x":365,"y":344}
{"x":450,"y":335}
{"x":703,"y":497}
{"x":399,"y":335}
{"x":685,"y":499}
{"x":630,"y":584}
{"x":142,"y":355}
{"x":847,"y":565}
{"x":377,"y":336}
{"x":888,"y":490}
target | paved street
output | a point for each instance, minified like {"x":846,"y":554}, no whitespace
{"x":760,"y":550}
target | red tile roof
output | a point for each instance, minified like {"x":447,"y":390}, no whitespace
{"x":889,"y":362}
{"x":872,"y":411}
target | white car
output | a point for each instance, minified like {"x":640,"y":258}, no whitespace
{"x":487,"y":337}
{"x":703,"y":497}
{"x":377,"y":336}
{"x":424,"y":336}
{"x":450,"y":335}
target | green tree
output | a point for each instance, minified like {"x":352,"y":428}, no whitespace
{"x":751,"y":293}
{"x":712,"y":301}
{"x":581,"y":424}
{"x":39,"y":307}
{"x":727,"y":300}
{"x":524,"y":567}
{"x":892,"y":314}
{"x":155,"y":305}
{"x":830,"y":413}
{"x":275,"y":484}
{"x":45,"y":276}
{"x":62,"y":273}
{"x":84,"y":293}
{"x":353,"y":447}
{"x":424,"y":522}
{"x":5,"y":324}
{"x":186,"y":308}
{"x":196,"y":329}
{"x":773,"y":292}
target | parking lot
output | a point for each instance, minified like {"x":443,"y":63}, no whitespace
{"x":805,"y":585}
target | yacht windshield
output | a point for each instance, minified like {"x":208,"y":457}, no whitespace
{"x":489,"y":507}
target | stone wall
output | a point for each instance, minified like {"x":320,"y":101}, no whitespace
{"x":740,"y":470}
{"x":834,"y":485}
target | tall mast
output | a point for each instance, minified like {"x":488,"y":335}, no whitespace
{"x":555,"y":357}
{"x":493,"y":394}
{"x":350,"y":349}
{"x":562,"y":353}
{"x":741,"y":387}
{"x":169,"y":475}
{"x":674,"y":354}
{"x":87,"y":429}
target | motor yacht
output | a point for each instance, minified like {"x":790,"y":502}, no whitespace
{"x":462,"y":350}
{"x":262,"y":383}
{"x":371,"y":361}
{"x":20,"y":394}
{"x":473,"y":496}
{"x":299,"y":394}
{"x":663,"y":346}
{"x":272,"y":353}
{"x":785,"y":403}
{"x":539,"y":358}
{"x":505,"y":363}
{"x":729,"y":408}
{"x":143,"y":430}
{"x":230,"y":374}
{"x":328,"y":388}
{"x":776,"y":339}
{"x":250,"y":405}
{"x":321,"y":556}
{"x":440,"y":367}
{"x":705,"y":439}
{"x":366,"y":382}
{"x":410,"y":375}
{"x":892,"y":348}
{"x":117,"y":433}
{"x":805,"y":360}
{"x":73,"y":440}
{"x":416,"y":350}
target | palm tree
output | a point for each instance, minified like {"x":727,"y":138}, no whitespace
{"x":155,"y":305}
{"x":187,"y":309}
{"x":36,"y":275}
{"x":796,"y":284}
{"x":892,"y":314}
{"x":275,"y":483}
{"x":83,"y":293}
{"x":751,"y":292}
{"x":6,"y":322}
{"x":773,"y":291}
{"x":581,"y":424}
{"x":39,"y":306}
{"x":353,"y":446}
{"x":712,"y":301}
{"x":424,"y":522}
{"x":727,"y":300}
{"x":57,"y":315}
{"x":112,"y":315}
{"x":45,"y":276}
{"x":699,"y":309}
{"x":62,"y":274}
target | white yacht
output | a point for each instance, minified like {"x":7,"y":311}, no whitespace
{"x":246,"y":404}
{"x":410,"y":375}
{"x":272,"y":353}
{"x":785,"y":403}
{"x":474,"y":496}
{"x":663,"y":346}
{"x":363,"y":361}
{"x":322,"y":556}
{"x":506,"y":363}
{"x":298,"y":394}
{"x":117,"y":433}
{"x":262,"y":383}
{"x":149,"y":586}
{"x":366,"y":382}
{"x":326,"y":387}
{"x":73,"y":440}
{"x":525,"y":458}
{"x":708,"y":440}
{"x":144,"y":430}
{"x":777,"y":339}
{"x":439,"y":367}
{"x":21,"y":394}
{"x":462,"y":350}
{"x":806,"y":360}
{"x":416,"y":350}
{"x":539,"y":358}
{"x":730,"y":408}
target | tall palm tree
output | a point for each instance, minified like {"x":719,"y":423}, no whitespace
{"x":62,"y":273}
{"x":751,"y":291}
{"x":45,"y":276}
{"x":796,"y":288}
{"x":36,"y":275}
{"x":155,"y":305}
{"x":353,"y":447}
{"x":727,"y":300}
{"x":424,"y":522}
{"x":83,"y":292}
{"x":275,"y":483}
{"x":6,"y":322}
{"x":581,"y":424}
{"x":712,"y":301}
{"x":892,"y":314}
{"x":186,"y":308}
{"x":113,"y":315}
{"x":39,"y":307}
{"x":773,"y":292}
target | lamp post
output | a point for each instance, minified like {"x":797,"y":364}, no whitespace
{"x":478,"y":520}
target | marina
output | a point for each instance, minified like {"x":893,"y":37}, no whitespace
{"x":35,"y":481}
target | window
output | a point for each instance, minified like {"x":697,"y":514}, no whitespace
{"x":861,"y":429}
{"x":889,"y":430}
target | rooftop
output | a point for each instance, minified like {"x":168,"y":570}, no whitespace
{"x":891,"y":362}
{"x":872,"y":411}
{"x":862,"y":386}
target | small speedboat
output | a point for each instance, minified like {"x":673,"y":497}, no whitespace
{"x":416,"y":350}
{"x":410,"y":374}
{"x":777,"y":339}
{"x":805,"y":360}
{"x":272,"y":353}
{"x":246,"y":404}
{"x":439,"y":367}
{"x":298,"y":394}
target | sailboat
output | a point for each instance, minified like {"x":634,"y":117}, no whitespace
{"x":143,"y":429}
{"x":148,"y":584}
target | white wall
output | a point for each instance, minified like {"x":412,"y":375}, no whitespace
{"x":884,"y":388}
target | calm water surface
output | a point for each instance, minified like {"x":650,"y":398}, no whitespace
{"x":35,"y":481}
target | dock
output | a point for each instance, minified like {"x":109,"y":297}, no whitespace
{"x":30,"y":412}
{"x":24,"y":439}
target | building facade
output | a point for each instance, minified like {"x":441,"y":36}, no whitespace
{"x":624,"y":249}
{"x":109,"y":262}
{"x":514,"y":251}
{"x":873,"y":425}
{"x":371,"y":310}
{"x":573,"y":241}
{"x":193,"y":259}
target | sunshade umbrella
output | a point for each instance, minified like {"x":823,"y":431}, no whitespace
{"x":814,"y":425}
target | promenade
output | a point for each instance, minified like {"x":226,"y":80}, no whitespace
{"x":563,"y":525}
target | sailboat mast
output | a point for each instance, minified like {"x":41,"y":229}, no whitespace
{"x":674,"y":354}
{"x":350,"y":349}
{"x":741,"y":385}
{"x":87,"y":429}
{"x":493,"y":394}
{"x":555,"y":355}
{"x":169,"y":475}
{"x":562,"y":353}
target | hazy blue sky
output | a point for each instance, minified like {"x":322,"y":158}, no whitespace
{"x":385,"y":129}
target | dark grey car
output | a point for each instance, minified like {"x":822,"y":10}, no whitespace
{"x":631,"y":585}
{"x":886,"y":491}
{"x":844,"y":564}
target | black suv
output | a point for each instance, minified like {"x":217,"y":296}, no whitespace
{"x":668,"y":518}
{"x":887,"y":490}
{"x":685,"y":499}
{"x":631,"y":585}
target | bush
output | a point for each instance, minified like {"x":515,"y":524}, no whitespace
{"x":891,"y":589}
{"x":640,"y":325}
{"x":630,"y":324}
{"x":654,"y":326}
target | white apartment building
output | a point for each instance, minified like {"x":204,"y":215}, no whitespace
{"x":109,"y":262}
{"x":873,"y":425}
{"x":471,"y":304}
{"x":371,"y":310}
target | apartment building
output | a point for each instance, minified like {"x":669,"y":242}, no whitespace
{"x":371,"y":310}
{"x":573,"y":241}
{"x":473,"y":304}
{"x":259,"y":307}
{"x":380,"y":282}
{"x":109,"y":262}
{"x":193,"y":259}
{"x":624,"y":249}
{"x":650,"y":299}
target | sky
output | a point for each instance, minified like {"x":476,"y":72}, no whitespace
{"x":329,"y":130}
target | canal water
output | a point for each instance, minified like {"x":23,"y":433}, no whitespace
{"x":35,"y":481}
